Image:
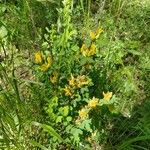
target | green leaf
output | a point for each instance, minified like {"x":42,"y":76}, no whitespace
{"x":69,"y":118}
{"x":128,"y":142}
{"x":86,"y":125}
{"x":34,"y":143}
{"x":59,"y":119}
{"x":51,"y":1}
{"x":134,"y":52}
{"x":49,"y":129}
{"x":66,"y":110}
{"x":3,"y":32}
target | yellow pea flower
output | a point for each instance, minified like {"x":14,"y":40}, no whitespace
{"x":83,"y":113}
{"x":81,"y":80}
{"x":88,"y":51}
{"x":93,"y":102}
{"x":45,"y":66}
{"x":49,"y":60}
{"x":72,"y":81}
{"x":38,"y":57}
{"x":92,"y":50}
{"x":67,"y":90}
{"x":92,"y":35}
{"x":107,"y":96}
{"x":98,"y":32}
{"x":84,"y":50}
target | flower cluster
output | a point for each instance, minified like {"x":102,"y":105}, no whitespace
{"x":38,"y":58}
{"x":68,"y":91}
{"x":92,"y":103}
{"x":107,"y":96}
{"x":44,"y":62}
{"x":91,"y":50}
{"x":83,"y":113}
{"x":96,"y":34}
{"x":88,"y":51}
{"x":75,"y":83}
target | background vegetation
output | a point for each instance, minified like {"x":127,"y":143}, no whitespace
{"x":74,"y":74}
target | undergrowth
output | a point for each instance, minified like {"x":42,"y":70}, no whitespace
{"x":74,"y":74}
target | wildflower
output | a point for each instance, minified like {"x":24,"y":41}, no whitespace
{"x":98,"y":32}
{"x":92,"y":35}
{"x":83,"y":113}
{"x":107,"y":96}
{"x":92,"y":50}
{"x":95,"y":35}
{"x":54,"y":77}
{"x":45,"y":66}
{"x":88,"y":51}
{"x":72,"y":81}
{"x":93,"y":102}
{"x":38,"y":57}
{"x":84,"y":50}
{"x":67,"y":90}
{"x":81,"y":80}
{"x":49,"y":60}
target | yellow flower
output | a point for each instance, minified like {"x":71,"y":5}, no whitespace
{"x":88,"y":51}
{"x":95,"y":35}
{"x":83,"y":113}
{"x":81,"y":80}
{"x":38,"y":57}
{"x":72,"y":81}
{"x":54,"y":77}
{"x":92,"y":50}
{"x":92,"y":35}
{"x":67,"y":90}
{"x":84,"y":50}
{"x":98,"y":32}
{"x":49,"y":60}
{"x":93,"y":102}
{"x":45,"y":66}
{"x":107,"y":96}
